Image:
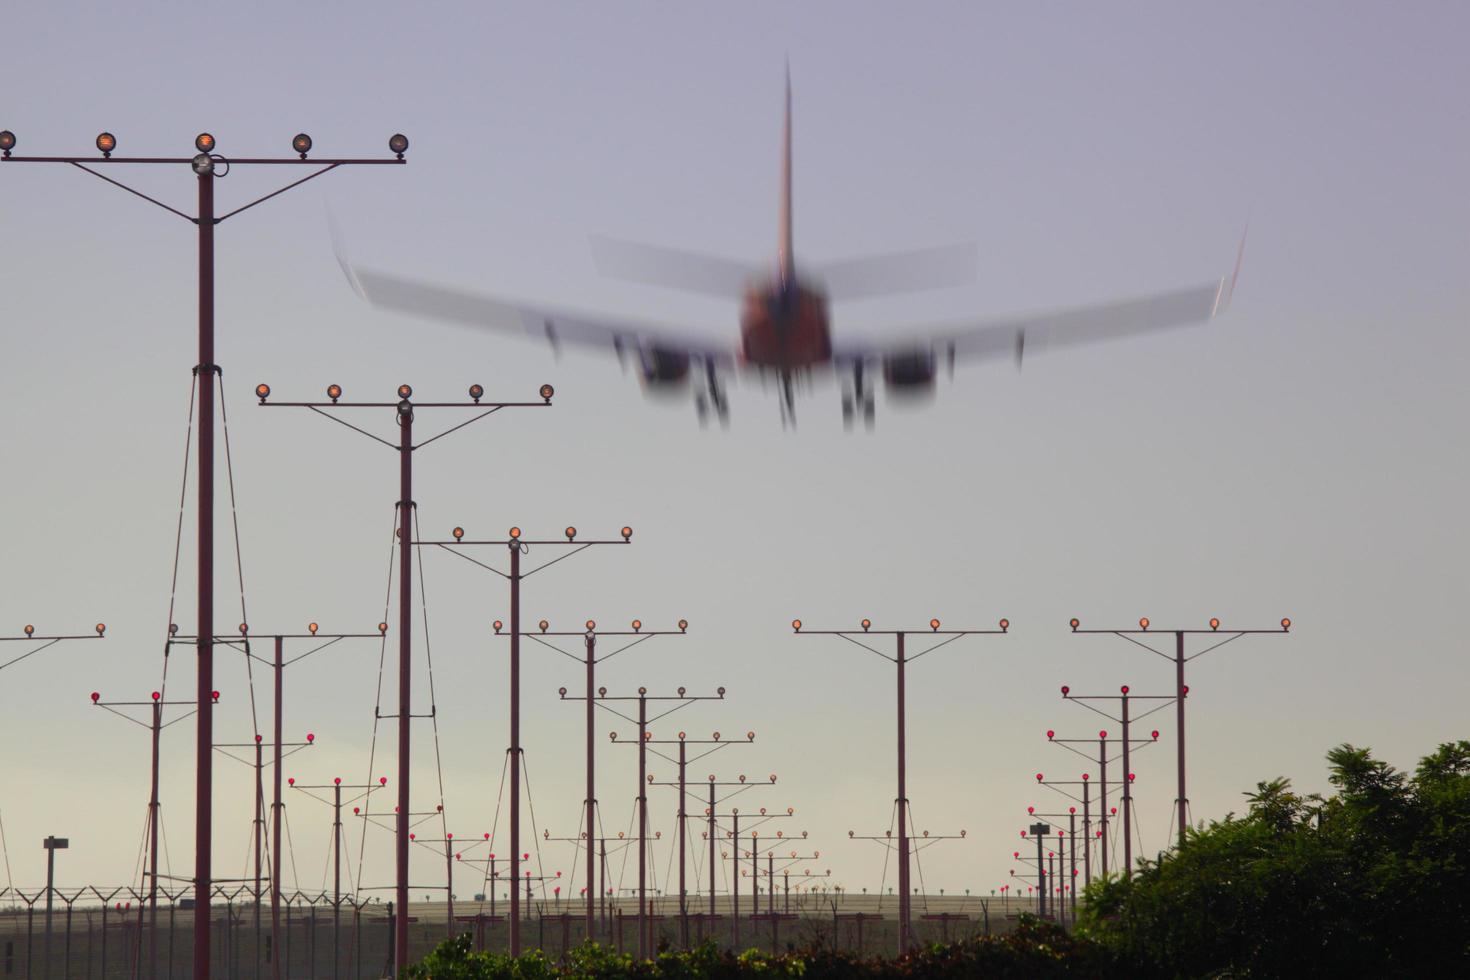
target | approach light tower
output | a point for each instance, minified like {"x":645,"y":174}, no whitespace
{"x":1181,"y":690}
{"x":900,"y":658}
{"x":207,"y":166}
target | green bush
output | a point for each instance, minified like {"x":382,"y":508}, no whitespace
{"x":1371,"y":881}
{"x":1034,"y":949}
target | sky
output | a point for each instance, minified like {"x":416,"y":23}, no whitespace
{"x":1298,"y":457}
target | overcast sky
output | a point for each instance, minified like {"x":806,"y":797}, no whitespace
{"x":1302,"y":456}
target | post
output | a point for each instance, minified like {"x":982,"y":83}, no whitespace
{"x":683,"y":819}
{"x":1040,"y":876}
{"x":259,"y":843}
{"x":449,"y":883}
{"x":712,"y":845}
{"x":1102,"y":764}
{"x":336,"y":877}
{"x":1051,"y":873}
{"x":1087,"y":832}
{"x":642,"y":824}
{"x":1127,"y":795}
{"x":515,"y":747}
{"x":405,"y":662}
{"x":903,"y":801}
{"x":1179,"y":691}
{"x":52,"y":845}
{"x":276,"y":806}
{"x":602,"y":880}
{"x":591,"y":802}
{"x":204,"y":697}
{"x":1072,"y":835}
{"x":735,"y":878}
{"x":153,"y":842}
{"x":755,"y":879}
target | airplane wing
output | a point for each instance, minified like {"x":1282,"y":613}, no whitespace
{"x":1023,"y":334}
{"x":1030,"y":332}
{"x":435,"y":302}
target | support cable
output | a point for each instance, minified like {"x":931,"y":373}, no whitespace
{"x":5,"y":847}
{"x":378,"y":703}
{"x":433,"y":701}
{"x":173,"y":588}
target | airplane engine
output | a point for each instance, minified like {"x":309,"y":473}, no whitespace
{"x":909,"y":375}
{"x":664,"y":369}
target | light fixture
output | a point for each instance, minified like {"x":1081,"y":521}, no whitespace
{"x":405,"y":391}
{"x":546,"y":392}
{"x":262,"y":391}
{"x":398,"y":143}
{"x":477,"y":392}
{"x":334,"y":392}
{"x":204,"y":143}
{"x":106,"y":142}
{"x":7,"y":141}
{"x":301,"y":143}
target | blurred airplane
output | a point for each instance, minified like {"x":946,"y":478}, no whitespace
{"x":785,"y":327}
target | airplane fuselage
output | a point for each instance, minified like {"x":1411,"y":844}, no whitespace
{"x":785,"y":327}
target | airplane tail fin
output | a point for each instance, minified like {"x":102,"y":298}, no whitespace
{"x":784,"y":252}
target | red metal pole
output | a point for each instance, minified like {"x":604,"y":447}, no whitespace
{"x":259,"y":834}
{"x":336,"y":878}
{"x":642,"y":825}
{"x":591,"y":802}
{"x":1040,"y":877}
{"x":755,"y":879}
{"x":712,"y":854}
{"x":1087,"y":831}
{"x":903,"y":804}
{"x":449,"y":882}
{"x":683,"y":820}
{"x":735,"y":877}
{"x":405,"y":652}
{"x":1072,"y":835}
{"x":1127,"y":797}
{"x":515,"y":747}
{"x":1102,"y":802}
{"x":204,"y":750}
{"x":276,"y":807}
{"x":153,"y":843}
{"x":1183,"y":800}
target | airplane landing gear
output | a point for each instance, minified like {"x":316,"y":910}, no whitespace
{"x":788,"y":401}
{"x":860,"y":399}
{"x":712,"y":397}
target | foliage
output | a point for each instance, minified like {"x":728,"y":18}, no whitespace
{"x":1034,"y":949}
{"x":1371,"y":881}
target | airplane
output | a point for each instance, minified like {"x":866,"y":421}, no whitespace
{"x":785,"y":321}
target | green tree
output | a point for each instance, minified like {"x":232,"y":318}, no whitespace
{"x":1369,"y":881}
